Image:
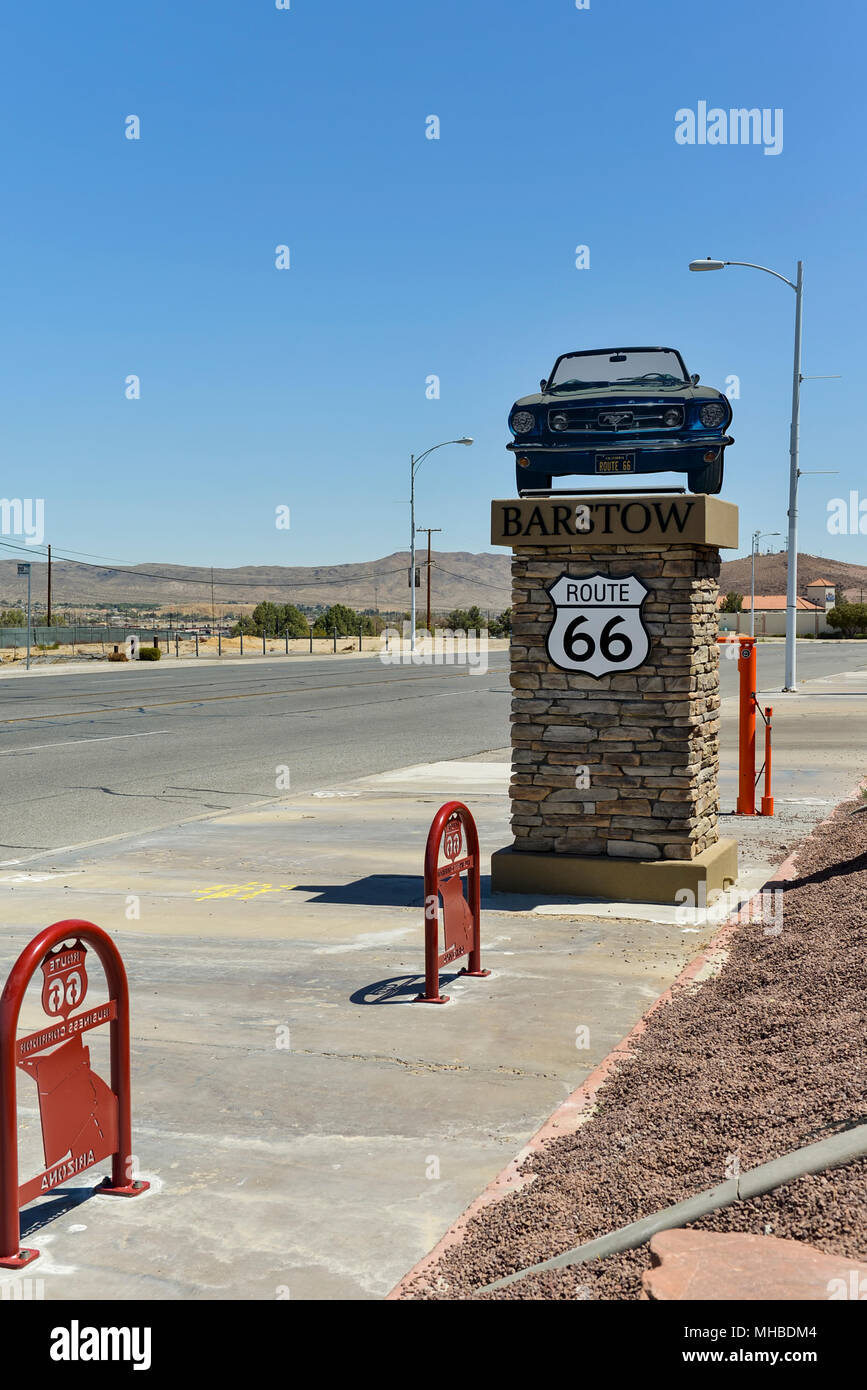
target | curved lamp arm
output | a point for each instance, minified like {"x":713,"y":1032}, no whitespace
{"x":419,"y":459}
{"x":752,"y":265}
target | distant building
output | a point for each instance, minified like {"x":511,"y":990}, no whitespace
{"x":771,"y":612}
{"x":822,"y":593}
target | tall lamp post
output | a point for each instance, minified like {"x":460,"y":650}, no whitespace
{"x":414,"y":465}
{"x":757,"y":536}
{"x":792,"y":566}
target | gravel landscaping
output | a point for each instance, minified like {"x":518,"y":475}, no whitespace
{"x":763,"y":1058}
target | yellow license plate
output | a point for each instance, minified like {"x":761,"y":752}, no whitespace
{"x":615,"y":463}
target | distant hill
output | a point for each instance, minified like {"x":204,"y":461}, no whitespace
{"x":850,"y":580}
{"x":459,"y":578}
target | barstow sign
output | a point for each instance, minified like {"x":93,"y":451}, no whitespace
{"x":619,"y":587}
{"x":614,"y":519}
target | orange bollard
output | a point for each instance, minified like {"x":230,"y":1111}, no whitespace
{"x":746,"y":804}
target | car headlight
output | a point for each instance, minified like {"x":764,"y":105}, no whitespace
{"x":523,"y":422}
{"x":673,"y":417}
{"x":559,"y":422}
{"x":712,"y":414}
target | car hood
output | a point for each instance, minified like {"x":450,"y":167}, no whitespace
{"x":592,"y":394}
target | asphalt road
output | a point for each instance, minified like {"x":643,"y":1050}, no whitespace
{"x":170,"y":742}
{"x":120,"y":749}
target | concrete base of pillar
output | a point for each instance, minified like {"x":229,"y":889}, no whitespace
{"x":621,"y":880}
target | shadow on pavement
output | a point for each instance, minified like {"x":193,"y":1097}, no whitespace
{"x":376,"y":890}
{"x":406,"y":890}
{"x":398,"y":989}
{"x":62,"y":1200}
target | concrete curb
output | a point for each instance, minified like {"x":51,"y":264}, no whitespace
{"x":578,"y":1106}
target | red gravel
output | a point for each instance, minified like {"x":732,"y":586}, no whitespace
{"x":762,"y":1059}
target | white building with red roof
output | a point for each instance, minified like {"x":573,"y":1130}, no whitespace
{"x":771,"y":612}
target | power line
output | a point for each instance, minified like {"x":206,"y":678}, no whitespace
{"x":349,"y":581}
{"x":485,"y":584}
{"x":131,"y":571}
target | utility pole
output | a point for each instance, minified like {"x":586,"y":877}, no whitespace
{"x":428,"y":530}
{"x":24,"y":569}
{"x":48,"y":617}
{"x":213,"y":618}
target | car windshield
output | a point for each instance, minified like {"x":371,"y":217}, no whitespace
{"x":626,"y":367}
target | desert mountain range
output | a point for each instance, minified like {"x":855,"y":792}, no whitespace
{"x":459,"y":578}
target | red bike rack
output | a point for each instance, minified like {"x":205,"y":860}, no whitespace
{"x":83,"y":1120}
{"x":454,"y":828}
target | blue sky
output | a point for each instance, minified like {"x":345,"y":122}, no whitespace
{"x":409,"y":256}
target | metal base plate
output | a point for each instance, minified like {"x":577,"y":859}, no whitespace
{"x":24,"y":1257}
{"x":130,"y":1189}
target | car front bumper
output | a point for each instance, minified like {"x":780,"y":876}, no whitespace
{"x":622,"y":445}
{"x":647,"y":456}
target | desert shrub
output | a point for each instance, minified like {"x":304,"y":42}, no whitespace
{"x":149,"y":653}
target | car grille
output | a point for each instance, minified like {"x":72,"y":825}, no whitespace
{"x":614,"y":419}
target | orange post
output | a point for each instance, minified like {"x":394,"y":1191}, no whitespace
{"x":748,"y":704}
{"x":746,"y":805}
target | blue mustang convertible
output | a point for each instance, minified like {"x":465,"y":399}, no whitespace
{"x":620,"y":411}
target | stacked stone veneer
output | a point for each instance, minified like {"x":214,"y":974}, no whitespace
{"x":649,"y":738}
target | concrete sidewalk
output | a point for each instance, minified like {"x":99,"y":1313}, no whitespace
{"x":307,"y":1131}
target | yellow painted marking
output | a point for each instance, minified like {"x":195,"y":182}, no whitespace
{"x":243,"y":891}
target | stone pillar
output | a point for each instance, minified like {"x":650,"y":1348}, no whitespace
{"x":615,"y":710}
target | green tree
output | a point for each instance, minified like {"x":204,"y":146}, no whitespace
{"x":13,"y":617}
{"x":345,"y":620}
{"x":265,"y":617}
{"x":273,"y":620}
{"x":501,"y":626}
{"x":291,"y":621}
{"x":848,"y":618}
{"x":732,"y":603}
{"x":466,"y":619}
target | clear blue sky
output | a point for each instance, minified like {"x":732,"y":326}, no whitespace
{"x":409,"y":256}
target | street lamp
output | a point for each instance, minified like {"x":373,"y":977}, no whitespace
{"x":414,"y":465}
{"x":757,"y":536}
{"x":792,"y":565}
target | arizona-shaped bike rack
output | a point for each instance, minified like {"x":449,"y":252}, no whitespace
{"x":83,"y":1120}
{"x":453,"y":827}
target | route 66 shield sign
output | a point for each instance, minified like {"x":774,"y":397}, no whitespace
{"x":453,"y":838}
{"x":598,"y":627}
{"x":64,"y":980}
